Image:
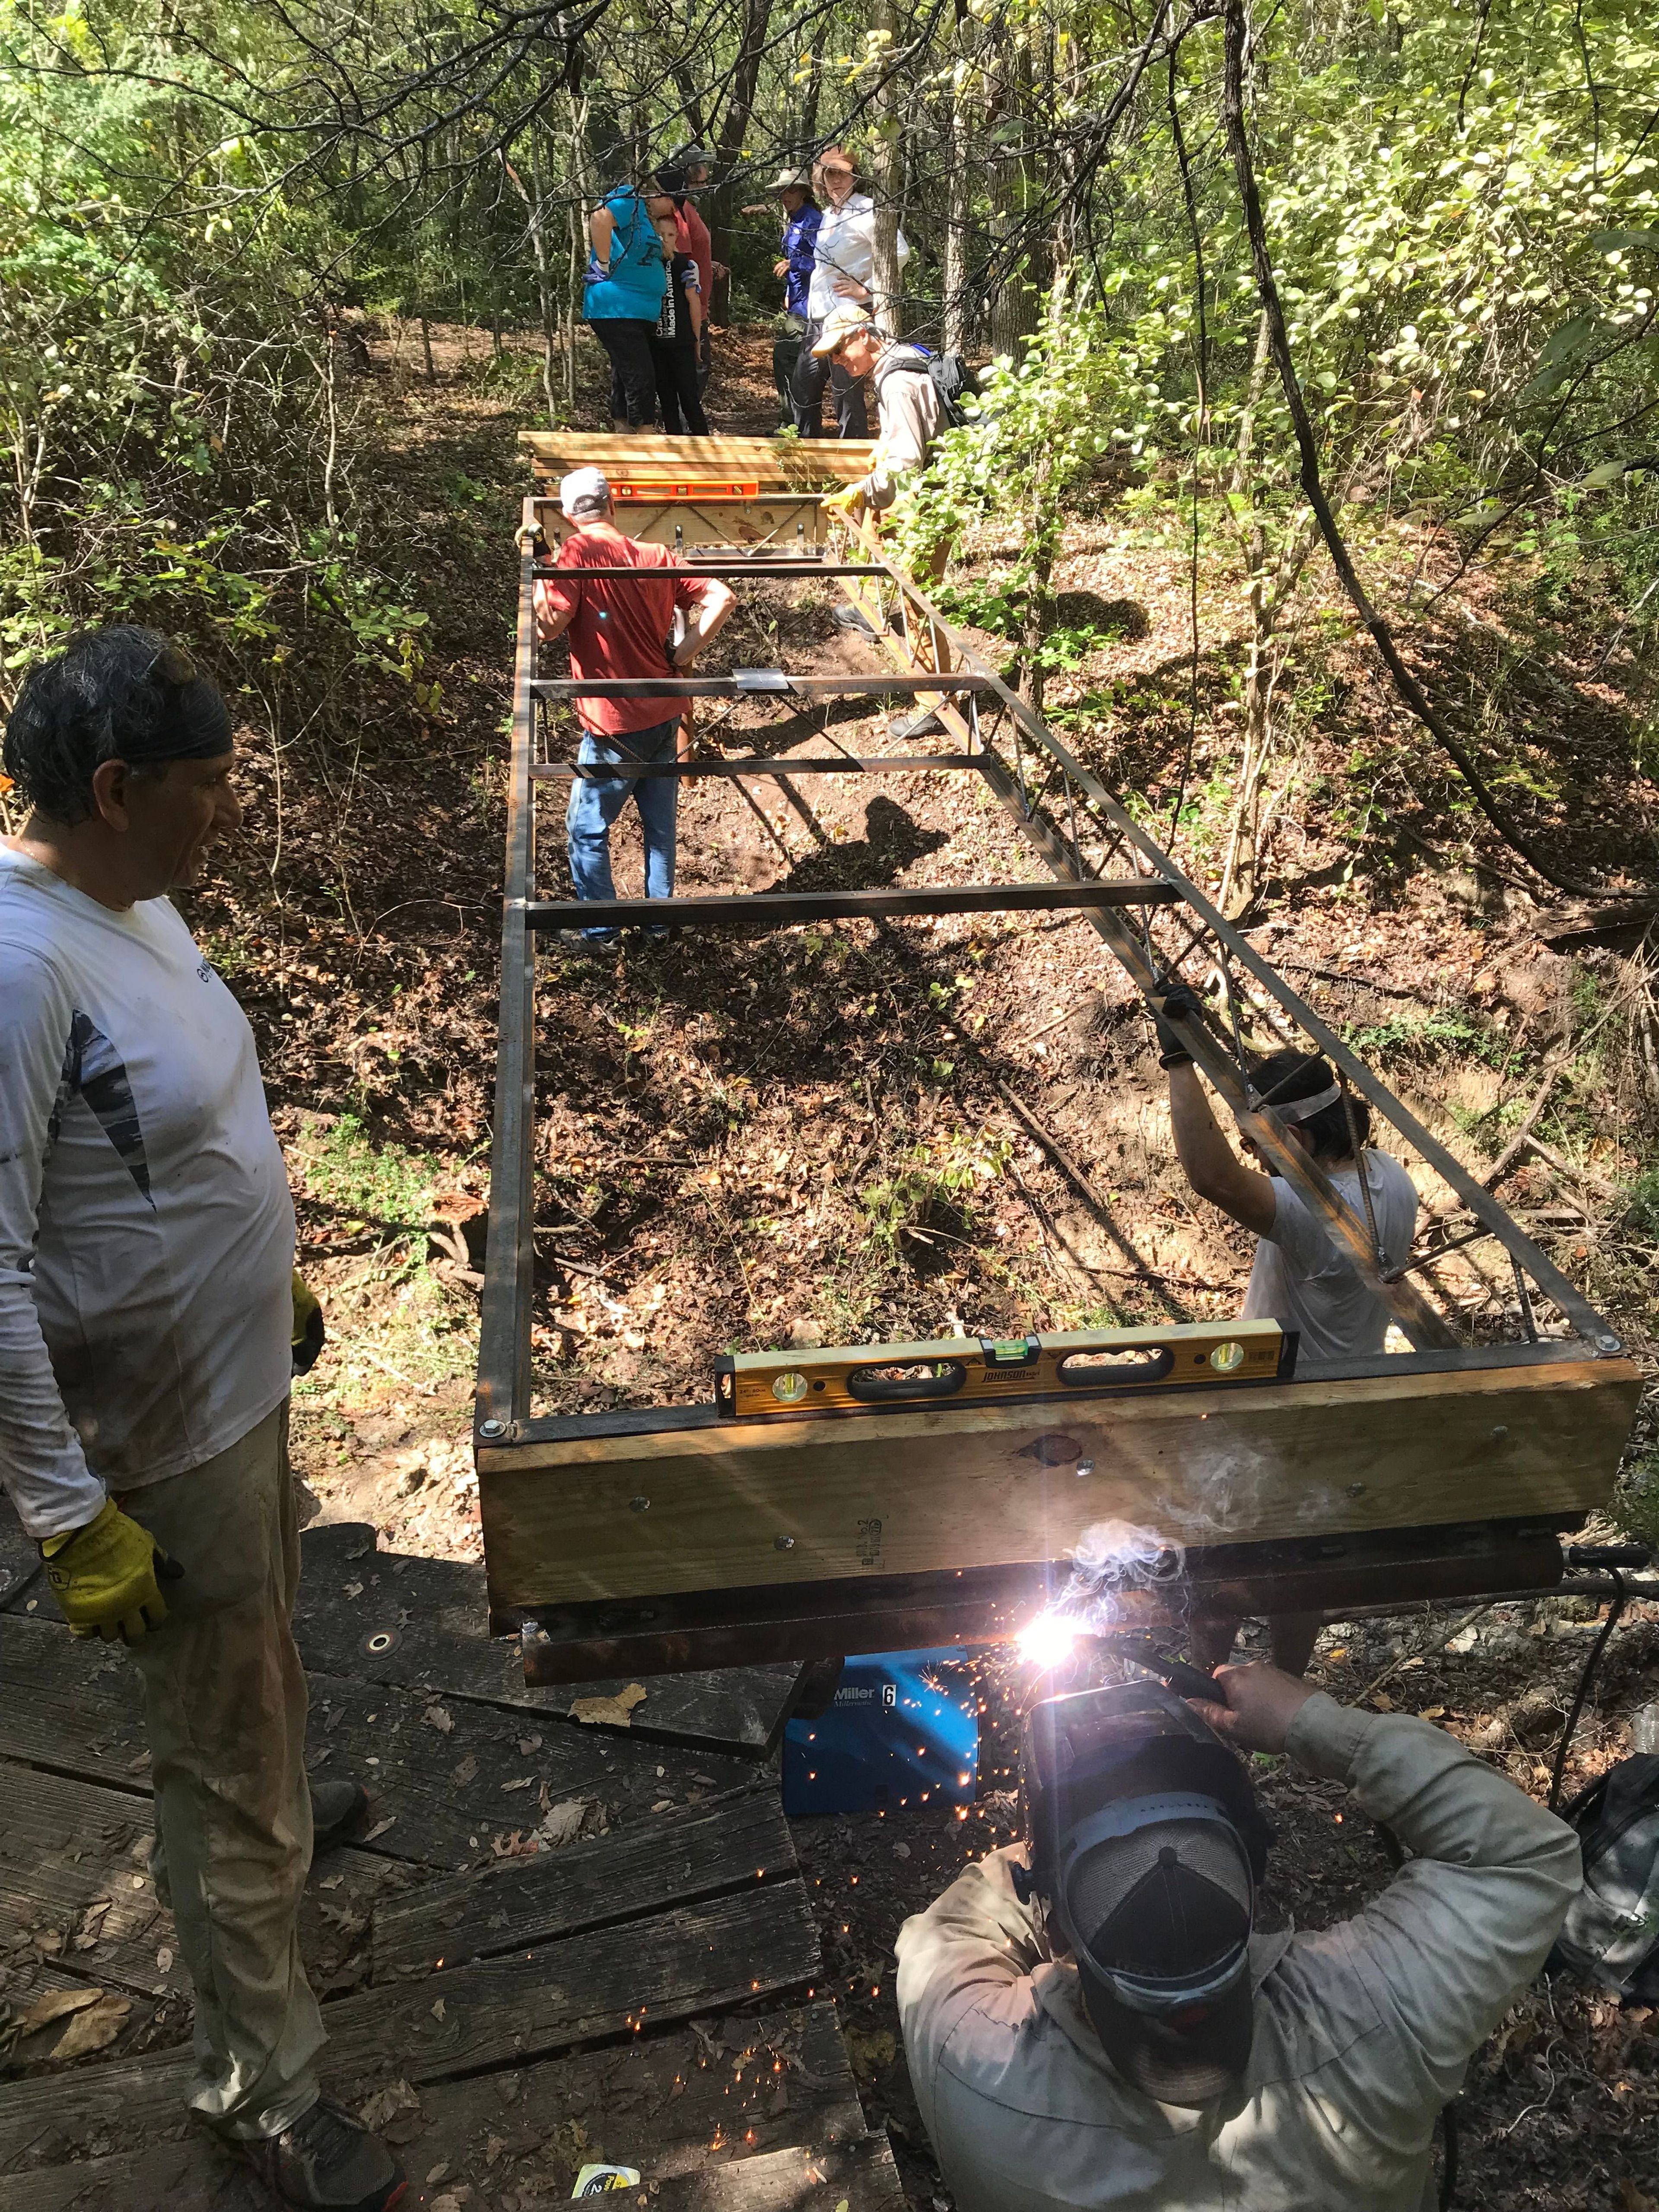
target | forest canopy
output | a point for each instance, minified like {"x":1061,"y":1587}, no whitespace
{"x":1458,"y":208}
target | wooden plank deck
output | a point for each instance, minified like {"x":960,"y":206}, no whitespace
{"x":643,"y":1994}
{"x":419,"y":1622}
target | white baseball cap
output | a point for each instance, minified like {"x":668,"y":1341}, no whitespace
{"x":585,"y":488}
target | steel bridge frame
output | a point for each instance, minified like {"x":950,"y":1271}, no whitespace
{"x":1162,"y":929}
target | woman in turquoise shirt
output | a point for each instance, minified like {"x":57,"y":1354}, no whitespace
{"x":625,"y":284}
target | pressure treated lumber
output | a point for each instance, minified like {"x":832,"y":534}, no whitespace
{"x":701,"y":460}
{"x":743,"y":1504}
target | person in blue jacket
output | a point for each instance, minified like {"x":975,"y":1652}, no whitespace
{"x":801,"y":217}
{"x":626,"y":282}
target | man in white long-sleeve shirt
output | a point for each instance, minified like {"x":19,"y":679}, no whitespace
{"x":1317,"y":2063}
{"x":146,"y":1314}
{"x":843,"y":275}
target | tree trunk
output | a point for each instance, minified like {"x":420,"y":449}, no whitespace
{"x":734,"y":135}
{"x":958,"y":204}
{"x":886,"y":282}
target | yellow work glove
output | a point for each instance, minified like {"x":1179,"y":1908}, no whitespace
{"x":106,"y":1577}
{"x":309,"y":1335}
{"x":843,"y":503}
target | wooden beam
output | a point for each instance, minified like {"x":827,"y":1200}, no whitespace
{"x":782,"y":460}
{"x":747,"y":1504}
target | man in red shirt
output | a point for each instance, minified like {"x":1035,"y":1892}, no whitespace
{"x":623,"y":629}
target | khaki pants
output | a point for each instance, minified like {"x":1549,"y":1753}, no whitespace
{"x":225,"y":1700}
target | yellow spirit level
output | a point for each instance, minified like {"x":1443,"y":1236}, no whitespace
{"x":778,"y":1385}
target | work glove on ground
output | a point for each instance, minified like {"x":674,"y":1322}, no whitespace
{"x":107,"y":1576}
{"x":1184,"y":1003}
{"x":309,"y":1335}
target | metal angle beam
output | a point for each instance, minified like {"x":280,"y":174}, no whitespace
{"x":688,"y":771}
{"x":503,"y":1393}
{"x":556,"y":688}
{"x":777,"y":909}
{"x":696,"y":567}
{"x":1549,"y":1279}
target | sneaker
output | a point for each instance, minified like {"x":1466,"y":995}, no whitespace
{"x":848,"y":617}
{"x":337,"y":1809}
{"x":328,"y":2162}
{"x":920,"y":725}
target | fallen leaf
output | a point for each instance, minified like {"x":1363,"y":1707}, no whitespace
{"x":92,"y":1924}
{"x":354,"y":1589}
{"x":53,"y":2006}
{"x":438,"y":2009}
{"x":664,"y":1805}
{"x":380,"y":1827}
{"x":436,"y":1716}
{"x":1383,"y":1701}
{"x":609,"y":1712}
{"x":462,"y":1774}
{"x":386,"y":2104}
{"x":529,"y":1743}
{"x":562,"y":1824}
{"x":494,"y":2146}
{"x":163,"y":1959}
{"x":523,"y":1782}
{"x":1432,"y":1713}
{"x":440,"y":2172}
{"x":91,"y":2029}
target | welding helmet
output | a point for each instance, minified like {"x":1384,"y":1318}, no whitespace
{"x":1147,"y":1846}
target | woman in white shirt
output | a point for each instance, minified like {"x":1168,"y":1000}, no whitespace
{"x":843,"y":272}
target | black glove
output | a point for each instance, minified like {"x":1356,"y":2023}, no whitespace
{"x":1184,"y":1003}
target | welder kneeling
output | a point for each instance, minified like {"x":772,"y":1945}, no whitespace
{"x":1091,"y":2019}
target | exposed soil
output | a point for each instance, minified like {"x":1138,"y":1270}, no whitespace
{"x":808,"y":1138}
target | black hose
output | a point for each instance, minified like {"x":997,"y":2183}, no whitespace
{"x":1620,"y":1596}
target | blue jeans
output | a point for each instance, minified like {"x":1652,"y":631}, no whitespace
{"x":595,"y":803}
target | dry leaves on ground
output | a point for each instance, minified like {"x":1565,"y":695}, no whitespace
{"x":609,"y":1712}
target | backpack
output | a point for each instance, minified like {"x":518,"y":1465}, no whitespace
{"x":1611,"y":1934}
{"x":952,"y":381}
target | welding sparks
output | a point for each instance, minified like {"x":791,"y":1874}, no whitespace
{"x":1047,"y":1641}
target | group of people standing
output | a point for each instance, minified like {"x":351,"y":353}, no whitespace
{"x":650,"y":278}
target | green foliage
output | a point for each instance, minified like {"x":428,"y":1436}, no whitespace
{"x":929,"y":1192}
{"x":1439,"y":1036}
{"x":383,"y":1186}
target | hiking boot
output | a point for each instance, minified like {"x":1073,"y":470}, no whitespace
{"x":919,"y":726}
{"x":328,"y":2162}
{"x":337,"y":1809}
{"x":848,"y":617}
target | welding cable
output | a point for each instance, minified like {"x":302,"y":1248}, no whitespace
{"x":1620,"y":1598}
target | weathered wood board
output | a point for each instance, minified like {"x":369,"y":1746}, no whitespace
{"x":743,"y":1504}
{"x":694,"y":2101}
{"x":678,"y":1858}
{"x":440,"y":1770}
{"x":67,"y":1845}
{"x":417,"y":1621}
{"x":780,"y":521}
{"x":606,"y":1982}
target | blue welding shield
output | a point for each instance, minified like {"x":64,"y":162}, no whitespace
{"x":1147,"y":1846}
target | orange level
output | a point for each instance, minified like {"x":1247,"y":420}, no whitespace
{"x":662,"y":487}
{"x":761,"y":1385}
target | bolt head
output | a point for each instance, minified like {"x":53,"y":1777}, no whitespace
{"x":638,"y":1504}
{"x":1085,"y":1467}
{"x":1500,"y":1431}
{"x":1356,"y":1490}
{"x":783,"y":1543}
{"x":492,"y":1428}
